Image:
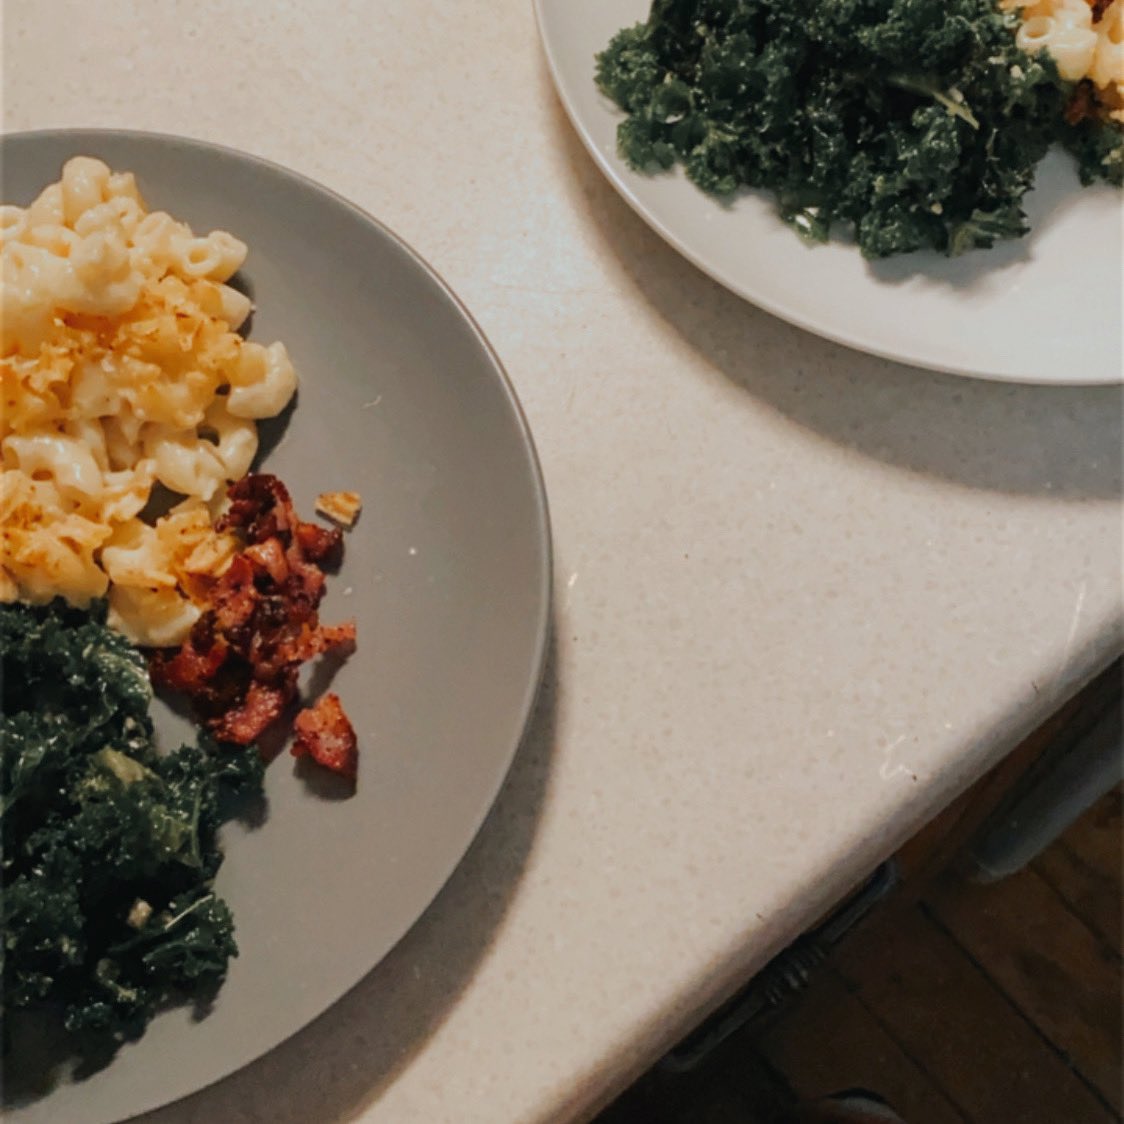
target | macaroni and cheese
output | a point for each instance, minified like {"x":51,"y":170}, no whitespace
{"x":122,"y":369}
{"x":1086,"y":42}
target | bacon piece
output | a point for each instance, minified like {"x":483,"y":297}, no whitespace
{"x":309,"y":641}
{"x":260,"y":507}
{"x":233,"y":603}
{"x":189,"y":669}
{"x":214,"y":678}
{"x":325,"y":734}
{"x":305,"y":585}
{"x":334,"y":636}
{"x":260,"y":707}
{"x":269,"y":556}
{"x":1099,"y":8}
{"x":240,"y":663}
{"x":320,"y":544}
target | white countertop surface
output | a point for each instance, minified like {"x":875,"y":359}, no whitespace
{"x":803,"y":596}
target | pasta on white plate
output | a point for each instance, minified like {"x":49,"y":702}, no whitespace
{"x":121,"y":368}
{"x":1085,"y":40}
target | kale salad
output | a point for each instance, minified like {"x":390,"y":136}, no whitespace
{"x":110,"y":848}
{"x":913,"y":124}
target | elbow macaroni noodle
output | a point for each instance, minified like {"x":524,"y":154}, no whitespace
{"x":122,"y":368}
{"x":1081,"y":47}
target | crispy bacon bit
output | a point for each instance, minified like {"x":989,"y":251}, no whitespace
{"x":190,"y":668}
{"x":259,"y":708}
{"x":334,"y":636}
{"x":260,"y":508}
{"x":1099,"y":8}
{"x":269,"y":556}
{"x":1082,"y":103}
{"x":320,"y":544}
{"x":239,"y":665}
{"x":325,"y":734}
{"x":232,"y":602}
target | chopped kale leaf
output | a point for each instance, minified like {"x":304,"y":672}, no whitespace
{"x":109,"y":848}
{"x":915,"y":123}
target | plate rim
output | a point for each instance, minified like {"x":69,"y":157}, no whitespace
{"x":614,"y":170}
{"x":542,"y":528}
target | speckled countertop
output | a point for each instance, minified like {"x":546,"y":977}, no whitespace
{"x":803,"y":596}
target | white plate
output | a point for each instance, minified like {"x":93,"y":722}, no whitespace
{"x":1045,"y":308}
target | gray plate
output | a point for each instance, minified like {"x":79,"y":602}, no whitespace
{"x":447,"y":574}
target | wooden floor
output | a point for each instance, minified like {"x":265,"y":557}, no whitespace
{"x":979,"y":1004}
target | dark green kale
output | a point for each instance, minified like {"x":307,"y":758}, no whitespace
{"x":915,"y":123}
{"x":1098,"y":150}
{"x":109,"y":848}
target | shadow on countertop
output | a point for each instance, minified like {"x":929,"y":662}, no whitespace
{"x":345,"y":1059}
{"x":1028,"y":440}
